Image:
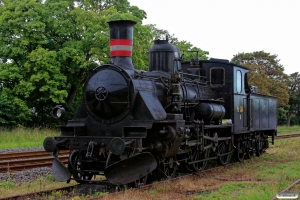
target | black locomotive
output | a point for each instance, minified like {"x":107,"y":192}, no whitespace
{"x":133,"y":125}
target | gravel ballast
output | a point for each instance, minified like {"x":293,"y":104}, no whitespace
{"x":28,"y":175}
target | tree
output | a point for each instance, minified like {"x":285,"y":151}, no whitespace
{"x":294,"y":100}
{"x":98,"y":6}
{"x":267,"y":73}
{"x":16,"y":19}
{"x":46,"y":49}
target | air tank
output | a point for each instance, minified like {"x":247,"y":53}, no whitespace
{"x":209,"y":110}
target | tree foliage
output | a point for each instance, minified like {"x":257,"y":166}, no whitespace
{"x":267,"y":73}
{"x":294,"y":100}
{"x":13,"y":110}
{"x":46,"y":48}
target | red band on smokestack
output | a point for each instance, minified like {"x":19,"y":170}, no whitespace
{"x":120,"y":53}
{"x":120,"y":47}
{"x":120,"y":42}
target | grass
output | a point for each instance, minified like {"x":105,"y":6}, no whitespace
{"x":25,"y":137}
{"x":275,"y":170}
{"x":10,"y":189}
{"x":283,"y":130}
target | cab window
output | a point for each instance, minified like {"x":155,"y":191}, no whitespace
{"x":238,"y":81}
{"x":217,"y":76}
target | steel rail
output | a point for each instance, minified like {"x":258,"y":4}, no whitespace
{"x":41,"y":194}
{"x":19,"y":165}
{"x":13,"y":162}
{"x":28,"y":154}
{"x":279,"y":137}
{"x":288,"y":188}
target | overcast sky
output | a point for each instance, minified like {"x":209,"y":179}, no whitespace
{"x":228,"y":27}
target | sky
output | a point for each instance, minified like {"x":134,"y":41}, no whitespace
{"x":228,"y":27}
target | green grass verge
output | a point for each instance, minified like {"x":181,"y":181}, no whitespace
{"x":241,"y":191}
{"x":25,"y":137}
{"x":8,"y":188}
{"x":275,"y":170}
{"x":283,"y":130}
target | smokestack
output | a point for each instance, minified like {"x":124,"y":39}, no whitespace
{"x":121,"y":40}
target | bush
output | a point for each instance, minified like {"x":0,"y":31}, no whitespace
{"x":295,"y":121}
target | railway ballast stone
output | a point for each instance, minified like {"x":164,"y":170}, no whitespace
{"x":30,"y":175}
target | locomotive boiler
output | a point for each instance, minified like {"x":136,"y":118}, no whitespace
{"x":134,"y":126}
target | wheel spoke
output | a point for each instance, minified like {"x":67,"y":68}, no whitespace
{"x":240,"y":150}
{"x":259,"y":144}
{"x":169,"y":167}
{"x":77,"y":172}
{"x":224,"y":148}
{"x":197,"y":154}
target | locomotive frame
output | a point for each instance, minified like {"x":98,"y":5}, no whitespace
{"x":135,"y":126}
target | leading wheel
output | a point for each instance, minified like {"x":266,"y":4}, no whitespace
{"x":78,"y":174}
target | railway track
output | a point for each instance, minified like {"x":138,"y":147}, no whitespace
{"x":279,"y":137}
{"x":285,"y":193}
{"x":13,"y":162}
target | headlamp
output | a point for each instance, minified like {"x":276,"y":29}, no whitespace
{"x":58,"y":112}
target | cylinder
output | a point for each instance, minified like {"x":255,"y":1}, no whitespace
{"x":121,"y":41}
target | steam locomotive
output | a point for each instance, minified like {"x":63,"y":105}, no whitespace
{"x":134,"y":126}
